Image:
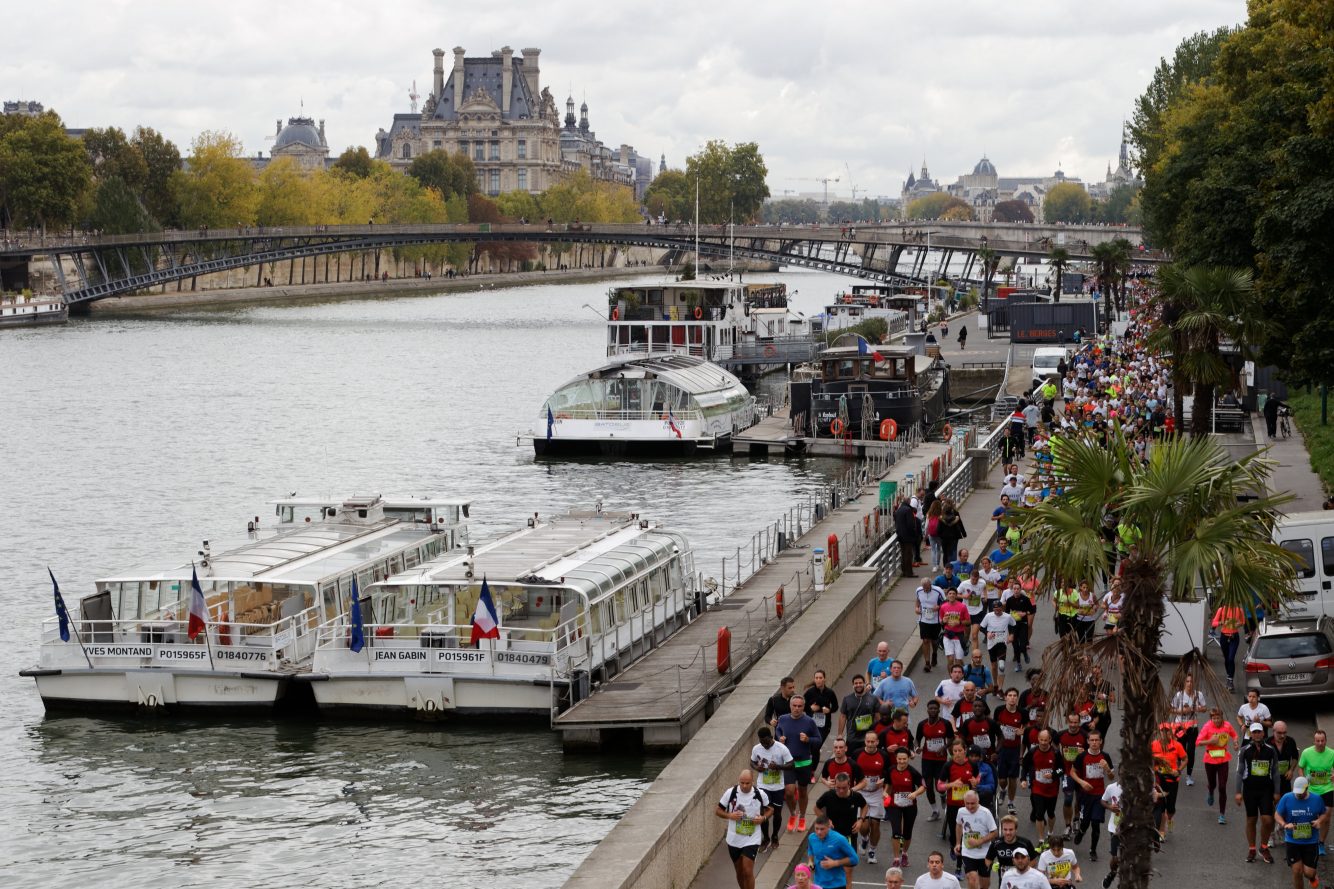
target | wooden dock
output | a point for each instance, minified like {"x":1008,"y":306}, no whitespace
{"x":775,"y":434}
{"x":668,"y":693}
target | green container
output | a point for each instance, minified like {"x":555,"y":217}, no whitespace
{"x":887,"y":492}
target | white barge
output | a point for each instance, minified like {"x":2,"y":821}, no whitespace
{"x":577,"y":597}
{"x":265,"y":598}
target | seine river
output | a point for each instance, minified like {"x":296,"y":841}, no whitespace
{"x":128,"y":439}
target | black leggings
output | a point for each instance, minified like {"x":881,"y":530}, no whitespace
{"x":931,"y":771}
{"x":1217,"y":771}
{"x":901,"y":821}
{"x":1188,"y":741}
{"x":772,"y":828}
{"x":1020,"y":633}
{"x":1084,"y":629}
{"x":951,"y":813}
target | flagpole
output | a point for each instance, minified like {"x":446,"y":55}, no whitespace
{"x":78,"y":637}
{"x":208,"y":644}
{"x":194,"y":582}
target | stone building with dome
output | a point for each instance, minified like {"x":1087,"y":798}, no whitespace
{"x":302,"y":141}
{"x":495,"y":110}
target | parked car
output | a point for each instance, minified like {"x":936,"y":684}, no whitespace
{"x":1292,"y":658}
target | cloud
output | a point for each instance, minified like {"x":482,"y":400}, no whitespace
{"x":860,"y":90}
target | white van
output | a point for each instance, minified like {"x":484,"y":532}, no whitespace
{"x":1045,"y":361}
{"x":1310,"y":537}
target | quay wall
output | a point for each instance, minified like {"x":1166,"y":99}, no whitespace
{"x":671,"y":831}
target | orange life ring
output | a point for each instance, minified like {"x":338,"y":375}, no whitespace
{"x":889,"y":430}
{"x":699,"y":313}
{"x":562,"y":416}
{"x":948,"y":432}
{"x":836,"y":427}
{"x":770,"y":351}
{"x":616,"y":314}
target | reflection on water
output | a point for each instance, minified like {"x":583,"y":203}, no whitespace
{"x":129,"y":438}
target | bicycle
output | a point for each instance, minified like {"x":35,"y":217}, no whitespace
{"x":1284,"y":422}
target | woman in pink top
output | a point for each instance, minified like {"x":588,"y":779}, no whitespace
{"x":1217,"y":737}
{"x":956,"y":624}
{"x":1230,"y":620}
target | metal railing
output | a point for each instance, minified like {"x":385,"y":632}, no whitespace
{"x":575,"y":414}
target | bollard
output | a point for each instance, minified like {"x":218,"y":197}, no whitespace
{"x":817,"y":569}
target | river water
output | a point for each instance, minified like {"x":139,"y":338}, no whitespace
{"x":126,"y":439}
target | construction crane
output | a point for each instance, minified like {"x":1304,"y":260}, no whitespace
{"x":823,"y":180}
{"x":854,"y":188}
{"x":414,"y":96}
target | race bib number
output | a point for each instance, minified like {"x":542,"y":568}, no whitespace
{"x":1283,"y":768}
{"x":1044,"y":776}
{"x":872,"y":783}
{"x":982,"y":741}
{"x":935,"y":745}
{"x":970,"y":837}
{"x":995,"y":637}
{"x":745,"y":828}
{"x":957,"y":794}
{"x":1093,"y":771}
{"x":1300,"y":831}
{"x":862,"y":723}
{"x":902,"y":800}
{"x":1260,"y":768}
{"x":1320,"y":776}
{"x":1113,"y":618}
{"x":951,"y":620}
{"x":1071,"y":753}
{"x":974,"y":600}
{"x":1059,"y":870}
{"x":1101,"y":706}
{"x":819,"y":720}
{"x":1010,"y":732}
{"x":1018,"y":616}
{"x":772,"y":777}
{"x":1221,"y":753}
{"x":931,"y":613}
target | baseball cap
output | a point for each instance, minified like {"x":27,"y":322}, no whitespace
{"x":1257,"y":727}
{"x":1300,"y":784}
{"x":1020,"y":850}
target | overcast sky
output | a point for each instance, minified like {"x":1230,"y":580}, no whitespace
{"x":861,"y":91}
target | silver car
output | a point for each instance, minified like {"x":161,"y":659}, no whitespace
{"x":1292,"y":658}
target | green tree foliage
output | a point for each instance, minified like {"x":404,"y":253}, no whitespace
{"x":1067,"y":202}
{"x":355,"y":162}
{"x":790,"y":212}
{"x":671,"y":195}
{"x":112,"y":155}
{"x":936,"y":205}
{"x":731,"y":182}
{"x":162,"y":159}
{"x":856,"y":211}
{"x":517,"y":205}
{"x":581,"y":198}
{"x":449,"y":173}
{"x":1199,"y":530}
{"x":116,"y":209}
{"x":1011,"y":211}
{"x":219,"y":188}
{"x":1121,"y":206}
{"x":44,"y":174}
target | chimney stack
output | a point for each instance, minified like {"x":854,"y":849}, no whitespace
{"x":506,"y":78}
{"x":530,"y":62}
{"x":458,"y":77}
{"x":438,"y":85}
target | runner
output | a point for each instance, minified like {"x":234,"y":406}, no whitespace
{"x":950,"y":691}
{"x":1041,"y":771}
{"x":829,"y":854}
{"x":1086,"y":611}
{"x":1023,"y":875}
{"x":898,"y":736}
{"x":896,"y":690}
{"x":1217,"y":738}
{"x":1010,"y":720}
{"x":973,"y":592}
{"x":770,"y":760}
{"x":1253,"y":711}
{"x":980,"y":730}
{"x":742,"y":807}
{"x":846,"y":811}
{"x":1188,"y":708}
{"x":840,"y":764}
{"x":1019,"y":604}
{"x":1301,"y":814}
{"x":958,"y":778}
{"x":1316,"y":764}
{"x":935,"y":876}
{"x":956,"y":627}
{"x":780,"y":702}
{"x":1111,"y":803}
{"x":1111,"y":608}
{"x":1091,"y":770}
{"x":976,"y":672}
{"x":873,"y":765}
{"x":798,"y":733}
{"x":877,"y":668}
{"x":929,"y":601}
{"x":1168,"y":756}
{"x":856,"y":714}
{"x":1059,"y":864}
{"x":1001,"y":856}
{"x":934,"y":736}
{"x":968,"y":703}
{"x":1033,"y":697}
{"x":975,"y":829}
{"x":986,"y":777}
{"x":1073,"y":741}
{"x":996,"y":630}
{"x":1257,"y":789}
{"x":821,"y":705}
{"x":1288,"y":754}
{"x":903,"y":785}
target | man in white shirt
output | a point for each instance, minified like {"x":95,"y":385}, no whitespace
{"x":1059,"y":865}
{"x":935,"y":876}
{"x":1013,"y":488}
{"x":744,"y":807}
{"x":975,"y":829}
{"x":770,"y":758}
{"x":996,"y":629}
{"x":1111,"y":801}
{"x":1023,"y":875}
{"x":973,"y":592}
{"x":929,"y":599}
{"x":949,"y":691}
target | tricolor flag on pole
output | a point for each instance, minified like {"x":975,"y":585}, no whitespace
{"x":485,"y":623}
{"x":61,"y":613}
{"x":358,"y":641}
{"x":671,"y":423}
{"x":198,"y":607}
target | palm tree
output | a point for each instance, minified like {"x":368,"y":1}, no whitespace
{"x":1105,"y":256}
{"x":1202,"y":307}
{"x":1194,"y":534}
{"x":1125,"y":253}
{"x":1058,"y":258}
{"x":990,"y":260}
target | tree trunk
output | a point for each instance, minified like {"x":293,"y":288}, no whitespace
{"x":1142,"y":624}
{"x":1202,"y":410}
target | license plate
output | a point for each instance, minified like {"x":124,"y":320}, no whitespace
{"x":1292,"y":678}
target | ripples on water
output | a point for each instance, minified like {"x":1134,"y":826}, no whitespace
{"x":128,"y":438}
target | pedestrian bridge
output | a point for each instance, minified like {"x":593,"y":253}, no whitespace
{"x":90,"y":267}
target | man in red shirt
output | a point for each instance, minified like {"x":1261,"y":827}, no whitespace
{"x":897,"y":736}
{"x":1073,"y":741}
{"x":1092,"y":771}
{"x":1010,"y":721}
{"x":1041,"y":771}
{"x":934,"y":736}
{"x":830,"y":769}
{"x":873,"y":763}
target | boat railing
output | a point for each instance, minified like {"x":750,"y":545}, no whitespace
{"x":698,"y":350}
{"x":661,"y":415}
{"x":621,"y":312}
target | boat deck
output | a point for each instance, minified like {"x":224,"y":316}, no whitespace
{"x":665,"y":693}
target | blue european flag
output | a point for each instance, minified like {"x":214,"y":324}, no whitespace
{"x":358,"y":628}
{"x":61,"y":613}
{"x":551,"y":421}
{"x":861,"y":346}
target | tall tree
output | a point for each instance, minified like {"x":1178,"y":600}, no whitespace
{"x":219,"y":188}
{"x":44,"y":174}
{"x":731,"y":182}
{"x":449,"y":173}
{"x":112,"y":154}
{"x":162,"y":159}
{"x":354,"y":162}
{"x":935,"y":206}
{"x":1198,"y":530}
{"x":116,"y":209}
{"x":1011,"y":211}
{"x":1059,"y":258}
{"x":671,"y":195}
{"x":1066,"y":202}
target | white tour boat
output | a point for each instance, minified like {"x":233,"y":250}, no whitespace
{"x":663,"y":405}
{"x":576,"y":597}
{"x":265,"y":598}
{"x":862,"y":303}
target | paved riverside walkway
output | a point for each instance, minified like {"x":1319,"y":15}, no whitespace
{"x":670,"y":686}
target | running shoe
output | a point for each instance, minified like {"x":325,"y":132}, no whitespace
{"x":801,"y":825}
{"x":905,"y":860}
{"x":1011,"y":808}
{"x":1107,"y":880}
{"x":935,"y":815}
{"x":1209,"y":801}
{"x":791,"y":823}
{"x":1222,"y":819}
{"x":1250,"y":857}
{"x":1267,"y":855}
{"x":1190,"y":782}
{"x":865,"y":844}
{"x":870,"y":856}
{"x":1093,"y":854}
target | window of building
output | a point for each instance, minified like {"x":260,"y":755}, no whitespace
{"x":479,"y":151}
{"x":523,"y":178}
{"x":436,"y":144}
{"x":407,"y":151}
{"x":463,"y":147}
{"x":495,"y":182}
{"x":495,"y":151}
{"x":522,"y":150}
{"x":481,"y":180}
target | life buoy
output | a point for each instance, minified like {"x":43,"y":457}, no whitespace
{"x":724,"y":649}
{"x":889,"y":430}
{"x":836,"y":427}
{"x":832,"y":548}
{"x":948,"y":432}
{"x":616,"y":314}
{"x":778,"y":603}
{"x":562,"y":416}
{"x":770,"y":351}
{"x":699,"y":313}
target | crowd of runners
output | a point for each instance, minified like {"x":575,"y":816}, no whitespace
{"x":1014,"y":795}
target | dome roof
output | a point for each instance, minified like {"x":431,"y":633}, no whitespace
{"x":984,"y":167}
{"x":299,"y":130}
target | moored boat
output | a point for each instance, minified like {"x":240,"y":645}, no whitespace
{"x":32,"y":311}
{"x":857,"y":388}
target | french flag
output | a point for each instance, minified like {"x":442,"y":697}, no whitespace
{"x":485,"y":623}
{"x":198,"y":607}
{"x":671,"y":423}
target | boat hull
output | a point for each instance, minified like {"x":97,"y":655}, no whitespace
{"x":624,"y":447}
{"x":171,"y":691}
{"x":425,"y":696}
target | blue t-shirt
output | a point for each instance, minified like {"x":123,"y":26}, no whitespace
{"x":1297,"y":812}
{"x":875,"y":666}
{"x":788,"y":732}
{"x":834,"y":846}
{"x":948,"y":583}
{"x":999,"y":558}
{"x":897,"y":691}
{"x":961,"y":569}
